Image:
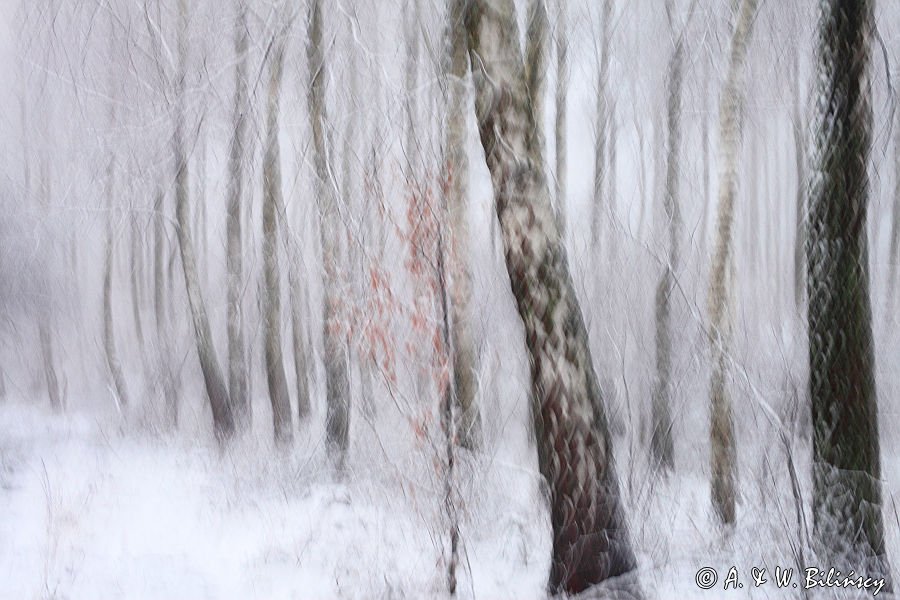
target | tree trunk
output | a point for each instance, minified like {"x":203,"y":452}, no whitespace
{"x":846,"y":468}
{"x":468,"y":425}
{"x":562,"y":83}
{"x":237,"y":352}
{"x":590,"y":538}
{"x":223,"y":420}
{"x":730,"y":134}
{"x":661,"y":446}
{"x":337,"y":420}
{"x":109,"y":338}
{"x":600,"y":131}
{"x":278,"y":390}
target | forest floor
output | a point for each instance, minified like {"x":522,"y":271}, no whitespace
{"x":93,"y":512}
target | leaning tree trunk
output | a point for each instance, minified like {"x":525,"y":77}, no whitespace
{"x":661,"y":446}
{"x":468,"y":426}
{"x":337,"y":419}
{"x":237,"y":359}
{"x":590,"y":539}
{"x":846,"y":469}
{"x":223,"y":420}
{"x":730,"y":134}
{"x":278,"y":389}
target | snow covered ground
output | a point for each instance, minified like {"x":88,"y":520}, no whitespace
{"x":92,"y":512}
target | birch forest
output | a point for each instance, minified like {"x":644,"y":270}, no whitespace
{"x":479,"y":299}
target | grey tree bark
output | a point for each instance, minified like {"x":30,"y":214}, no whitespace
{"x":237,"y":349}
{"x":464,"y":359}
{"x":337,"y":420}
{"x":730,"y":133}
{"x":275,"y":377}
{"x":590,"y":538}
{"x":661,"y":445}
{"x":562,"y":84}
{"x":109,"y":337}
{"x":602,"y":123}
{"x":848,"y":526}
{"x":223,"y":419}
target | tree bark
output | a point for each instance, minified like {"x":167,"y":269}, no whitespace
{"x":848,"y":524}
{"x":464,"y":359}
{"x":562,"y":83}
{"x":601,"y":125}
{"x":275,"y":377}
{"x":223,"y":420}
{"x":337,"y":420}
{"x":661,"y":446}
{"x":730,"y":134}
{"x":237,"y":349}
{"x":590,"y":538}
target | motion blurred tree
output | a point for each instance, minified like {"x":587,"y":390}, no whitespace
{"x":590,"y":538}
{"x":275,"y":377}
{"x":337,"y":423}
{"x":219,"y":401}
{"x":724,"y":469}
{"x":846,"y":466}
{"x":464,"y":354}
{"x":237,"y":360}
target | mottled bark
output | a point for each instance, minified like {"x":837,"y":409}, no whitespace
{"x":237,"y":349}
{"x":848,"y":526}
{"x":464,"y":363}
{"x":337,"y":420}
{"x":223,"y":420}
{"x":724,"y":469}
{"x":275,"y":377}
{"x":590,"y":538}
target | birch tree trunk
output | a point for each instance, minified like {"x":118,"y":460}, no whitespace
{"x":337,"y":423}
{"x":275,"y":377}
{"x":590,"y":539}
{"x":730,"y":134}
{"x":846,"y":503}
{"x":468,"y":426}
{"x":237,"y":358}
{"x":223,"y":420}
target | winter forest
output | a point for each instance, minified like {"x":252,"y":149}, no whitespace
{"x":494,"y":299}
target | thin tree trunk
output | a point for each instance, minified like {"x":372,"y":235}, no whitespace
{"x":562,"y":84}
{"x":237,"y":348}
{"x":223,"y":420}
{"x":600,"y":131}
{"x":847,"y":518}
{"x":337,"y":421}
{"x":590,"y":538}
{"x":54,"y":392}
{"x":468,"y":425}
{"x":722,"y":426}
{"x":661,"y":446}
{"x":278,"y":390}
{"x":109,"y":338}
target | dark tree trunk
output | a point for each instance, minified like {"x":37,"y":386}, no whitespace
{"x":846,"y":469}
